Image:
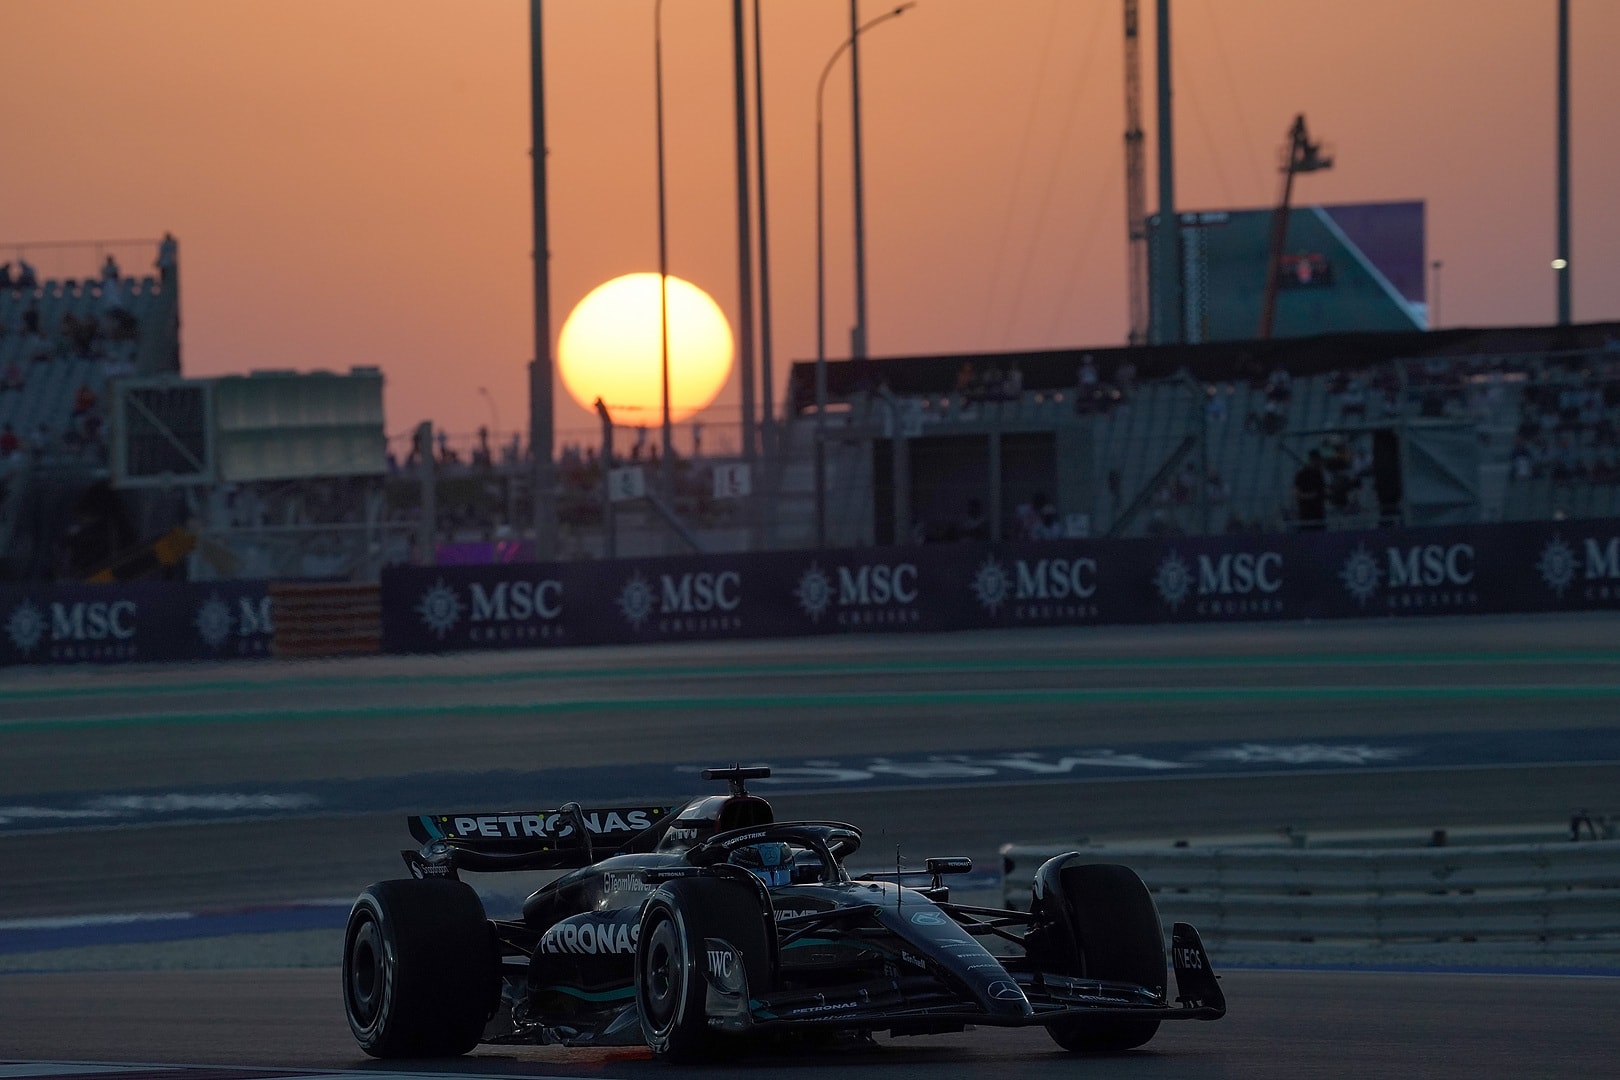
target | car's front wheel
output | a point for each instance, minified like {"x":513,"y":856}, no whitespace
{"x":1112,"y":933}
{"x":672,"y":962}
{"x":420,"y":970}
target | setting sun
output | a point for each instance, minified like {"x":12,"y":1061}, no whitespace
{"x":610,"y":348}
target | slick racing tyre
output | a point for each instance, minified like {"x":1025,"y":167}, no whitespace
{"x":420,"y":971}
{"x":672,"y":961}
{"x":1116,"y":937}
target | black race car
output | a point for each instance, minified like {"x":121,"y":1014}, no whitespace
{"x":690,"y":928}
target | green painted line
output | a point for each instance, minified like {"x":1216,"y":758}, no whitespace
{"x":623,"y":994}
{"x":806,"y":670}
{"x":868,"y":700}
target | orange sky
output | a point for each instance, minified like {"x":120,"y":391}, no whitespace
{"x":349,"y":179}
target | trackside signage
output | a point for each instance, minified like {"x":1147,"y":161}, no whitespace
{"x":1523,"y":567}
{"x":1543,"y":566}
{"x":66,"y":624}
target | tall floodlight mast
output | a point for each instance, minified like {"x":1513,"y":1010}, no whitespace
{"x":1135,"y":180}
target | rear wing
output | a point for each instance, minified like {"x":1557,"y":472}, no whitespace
{"x":561,"y":839}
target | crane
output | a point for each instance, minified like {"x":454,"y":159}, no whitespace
{"x":1303,"y":156}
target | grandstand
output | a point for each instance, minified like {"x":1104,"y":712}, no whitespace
{"x":1457,"y":426}
{"x":62,"y":343}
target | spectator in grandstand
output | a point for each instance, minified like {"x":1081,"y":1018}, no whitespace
{"x":1310,"y":494}
{"x":1012,"y":387}
{"x":109,"y":269}
{"x":30,"y":318}
{"x":10,"y":445}
{"x":84,"y":400}
{"x":1214,"y":404}
{"x":1279,"y":385}
{"x":1125,"y":379}
{"x":37,"y":347}
{"x":1523,"y":468}
{"x":5,"y":276}
{"x":1050,"y":528}
{"x":1026,"y":519}
{"x":14,"y":379}
{"x":1085,"y":379}
{"x":27,"y":278}
{"x":964,"y":378}
{"x":1353,"y":402}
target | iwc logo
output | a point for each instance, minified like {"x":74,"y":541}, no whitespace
{"x":1361,"y":575}
{"x":1557,"y":565}
{"x":815,"y":592}
{"x":214,"y":622}
{"x":991,"y":585}
{"x":440,"y":609}
{"x":26,"y":627}
{"x":637,"y":600}
{"x":1174,"y":580}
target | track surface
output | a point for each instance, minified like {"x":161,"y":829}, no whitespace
{"x":105,"y":732}
{"x":1282,"y":1024}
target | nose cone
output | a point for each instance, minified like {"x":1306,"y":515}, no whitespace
{"x":961,"y":959}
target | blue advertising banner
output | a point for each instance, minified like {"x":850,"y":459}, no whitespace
{"x":1537,"y":566}
{"x":64,"y":624}
{"x":1525,"y":567}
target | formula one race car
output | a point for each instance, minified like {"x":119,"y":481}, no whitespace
{"x":692,"y":928}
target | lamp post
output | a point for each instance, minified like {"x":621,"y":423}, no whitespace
{"x":666,"y":473}
{"x":821,"y":275}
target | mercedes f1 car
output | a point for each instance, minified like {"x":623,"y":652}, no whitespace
{"x":690,"y":928}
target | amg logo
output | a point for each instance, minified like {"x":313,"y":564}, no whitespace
{"x":93,"y":621}
{"x":499,"y":826}
{"x":591,"y":938}
{"x":1431,"y":565}
{"x":877,"y":584}
{"x":1057,"y":579}
{"x":1239,"y":574}
{"x":516,"y":601}
{"x":701,"y":592}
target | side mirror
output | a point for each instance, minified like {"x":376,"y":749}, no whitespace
{"x":951,"y":864}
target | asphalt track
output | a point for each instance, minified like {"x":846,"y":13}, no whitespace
{"x":173,"y":735}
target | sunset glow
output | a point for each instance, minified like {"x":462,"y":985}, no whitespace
{"x":611,"y":348}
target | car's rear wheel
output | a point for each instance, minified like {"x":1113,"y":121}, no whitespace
{"x":1116,"y":937}
{"x":420,"y":971}
{"x":672,"y":960}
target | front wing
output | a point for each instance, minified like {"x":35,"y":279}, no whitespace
{"x":921,"y":1003}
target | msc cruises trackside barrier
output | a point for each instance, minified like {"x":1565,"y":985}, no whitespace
{"x":1529,"y":567}
{"x":67,"y":624}
{"x":1525,"y":892}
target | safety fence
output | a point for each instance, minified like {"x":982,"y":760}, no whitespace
{"x":1542,"y":892}
{"x":1449,"y":570}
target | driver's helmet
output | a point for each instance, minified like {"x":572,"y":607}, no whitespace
{"x":771,"y":863}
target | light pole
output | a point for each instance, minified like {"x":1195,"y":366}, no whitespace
{"x":666,"y":469}
{"x":821,"y":276}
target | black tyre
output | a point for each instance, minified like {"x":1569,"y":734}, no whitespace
{"x":1117,"y":937}
{"x":421,"y":975}
{"x":672,"y":961}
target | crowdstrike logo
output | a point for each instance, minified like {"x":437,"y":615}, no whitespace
{"x":26,"y":627}
{"x":440,"y":609}
{"x":992,"y":585}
